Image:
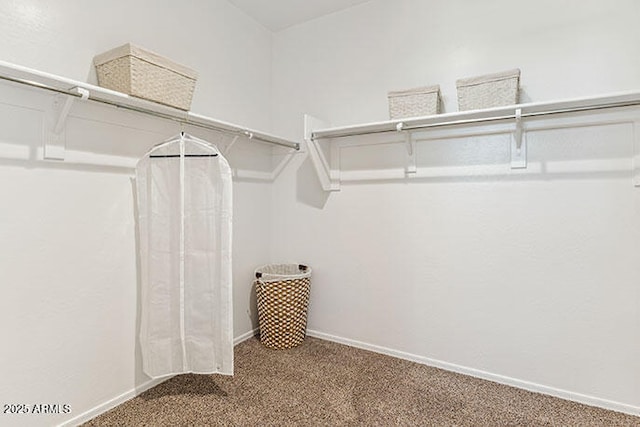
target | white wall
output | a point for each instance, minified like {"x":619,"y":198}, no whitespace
{"x":430,"y":268}
{"x":341,"y":66}
{"x":530,"y":277}
{"x":68,"y":311}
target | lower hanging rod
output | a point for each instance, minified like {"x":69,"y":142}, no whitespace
{"x":184,"y":121}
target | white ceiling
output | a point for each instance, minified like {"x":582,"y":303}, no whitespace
{"x":277,"y":15}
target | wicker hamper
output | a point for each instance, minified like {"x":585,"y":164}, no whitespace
{"x":144,"y":74}
{"x":491,"y":90}
{"x":421,"y":101}
{"x":282,"y":292}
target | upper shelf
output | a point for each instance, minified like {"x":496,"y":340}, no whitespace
{"x":40,"y":79}
{"x":328,"y":166}
{"x":621,"y":99}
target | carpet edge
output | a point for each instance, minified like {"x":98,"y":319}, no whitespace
{"x":501,"y":379}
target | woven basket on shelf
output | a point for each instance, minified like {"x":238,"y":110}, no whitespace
{"x":144,"y":74}
{"x":491,"y":90}
{"x":282,"y":292}
{"x":421,"y":101}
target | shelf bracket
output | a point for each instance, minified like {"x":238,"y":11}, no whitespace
{"x":636,"y":153}
{"x":55,"y":141}
{"x":518,"y":144}
{"x":411,"y":149}
{"x":283,"y":163}
{"x":329,"y":176}
{"x":255,"y":175}
{"x":227,"y":149}
{"x":334,"y":164}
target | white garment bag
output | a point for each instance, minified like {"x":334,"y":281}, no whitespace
{"x":184,"y":215}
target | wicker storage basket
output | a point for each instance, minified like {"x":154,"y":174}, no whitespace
{"x":421,"y":101}
{"x":491,"y":90}
{"x":144,"y":74}
{"x":282,"y":292}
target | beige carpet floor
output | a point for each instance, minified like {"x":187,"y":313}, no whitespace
{"x":325,"y":384}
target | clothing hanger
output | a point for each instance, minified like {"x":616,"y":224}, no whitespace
{"x":182,"y":137}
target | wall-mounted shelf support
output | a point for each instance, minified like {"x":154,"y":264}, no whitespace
{"x":228,"y":148}
{"x":256,"y":175}
{"x":280,"y":167}
{"x":56,"y":120}
{"x":334,"y":165}
{"x":518,"y":132}
{"x":412,"y":166}
{"x":518,"y":144}
{"x":329,"y":181}
{"x":636,"y":153}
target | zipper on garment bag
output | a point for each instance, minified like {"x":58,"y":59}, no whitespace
{"x":182,"y":227}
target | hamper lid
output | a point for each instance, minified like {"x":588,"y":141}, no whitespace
{"x":130,"y":49}
{"x":415,"y":91}
{"x":486,"y":78}
{"x":279,"y":272}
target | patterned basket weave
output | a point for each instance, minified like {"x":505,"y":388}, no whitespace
{"x":491,"y":90}
{"x":282,"y":291}
{"x":421,"y":101}
{"x":144,"y":74}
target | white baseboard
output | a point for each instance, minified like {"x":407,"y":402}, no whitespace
{"x":245,"y":336}
{"x":101,"y":409}
{"x":526,"y":385}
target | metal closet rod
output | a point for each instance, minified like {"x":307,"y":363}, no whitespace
{"x":247,"y":133}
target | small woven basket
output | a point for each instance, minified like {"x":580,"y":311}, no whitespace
{"x":282,"y":292}
{"x":138,"y":72}
{"x":421,"y":101}
{"x":490,"y":90}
